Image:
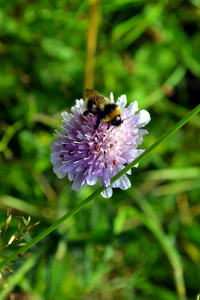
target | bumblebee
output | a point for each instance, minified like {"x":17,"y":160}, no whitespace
{"x":102,"y":107}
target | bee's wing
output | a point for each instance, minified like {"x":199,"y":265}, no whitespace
{"x":91,"y":93}
{"x":99,"y":100}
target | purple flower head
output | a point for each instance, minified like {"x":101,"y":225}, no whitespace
{"x":86,"y":154}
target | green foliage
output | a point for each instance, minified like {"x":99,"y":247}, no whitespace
{"x":133,"y":245}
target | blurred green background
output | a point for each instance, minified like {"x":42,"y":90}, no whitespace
{"x":144,"y":242}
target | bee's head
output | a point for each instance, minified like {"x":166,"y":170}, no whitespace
{"x":116,"y":121}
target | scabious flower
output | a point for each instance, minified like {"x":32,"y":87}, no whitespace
{"x":86,"y":154}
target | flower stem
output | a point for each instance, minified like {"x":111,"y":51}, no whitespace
{"x":78,"y":207}
{"x":21,"y":272}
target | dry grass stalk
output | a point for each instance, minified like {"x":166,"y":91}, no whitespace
{"x":16,"y":238}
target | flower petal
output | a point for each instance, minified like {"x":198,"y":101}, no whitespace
{"x":143,"y":118}
{"x":122,"y":101}
{"x":107,"y":193}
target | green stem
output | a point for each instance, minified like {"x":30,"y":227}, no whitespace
{"x":153,"y":224}
{"x":21,"y":272}
{"x":9,"y":133}
{"x":101,"y":189}
{"x":163,"y":138}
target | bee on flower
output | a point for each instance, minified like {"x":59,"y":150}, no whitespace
{"x":97,"y":141}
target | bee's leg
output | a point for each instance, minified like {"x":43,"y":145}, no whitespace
{"x":97,"y":122}
{"x":90,"y":112}
{"x":108,"y":126}
{"x":86,"y":112}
